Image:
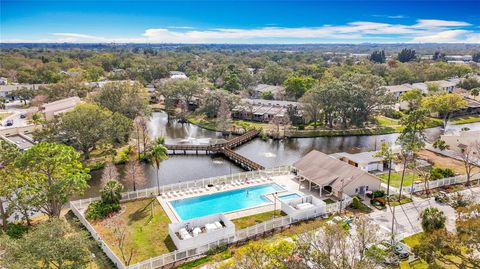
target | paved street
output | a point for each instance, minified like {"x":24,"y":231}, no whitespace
{"x":17,"y":111}
{"x":407,"y":216}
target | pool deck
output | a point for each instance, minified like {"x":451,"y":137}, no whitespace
{"x":285,"y":181}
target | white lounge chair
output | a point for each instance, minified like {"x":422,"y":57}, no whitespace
{"x":196,"y":231}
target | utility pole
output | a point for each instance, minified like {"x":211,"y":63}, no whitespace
{"x":341,"y":196}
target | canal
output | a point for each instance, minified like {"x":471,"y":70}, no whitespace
{"x":267,"y":153}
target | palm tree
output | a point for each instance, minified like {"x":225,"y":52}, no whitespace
{"x":112,"y":192}
{"x":156,"y":154}
{"x":386,"y":153}
{"x":432,"y":219}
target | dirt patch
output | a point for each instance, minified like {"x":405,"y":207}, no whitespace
{"x":445,"y":162}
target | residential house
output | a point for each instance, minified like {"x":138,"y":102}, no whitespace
{"x":19,"y":136}
{"x":7,"y":90}
{"x":177,"y":75}
{"x":50,"y":110}
{"x":460,"y":139}
{"x":262,"y":110}
{"x":398,"y":90}
{"x":278,"y":92}
{"x":330,"y":175}
{"x":366,"y":161}
{"x":70,"y":73}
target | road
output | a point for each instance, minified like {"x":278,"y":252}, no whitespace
{"x":407,"y":216}
{"x":14,"y":108}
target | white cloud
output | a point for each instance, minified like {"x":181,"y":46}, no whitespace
{"x":450,"y":36}
{"x":354,"y":32}
{"x":439,"y":23}
{"x":180,"y":27}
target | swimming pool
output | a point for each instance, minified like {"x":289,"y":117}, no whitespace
{"x":223,"y":202}
{"x":289,"y":196}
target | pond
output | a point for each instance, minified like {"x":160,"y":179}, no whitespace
{"x":267,"y":153}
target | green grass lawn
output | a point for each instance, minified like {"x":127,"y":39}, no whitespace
{"x":404,"y":200}
{"x":396,"y":178}
{"x":464,"y":120}
{"x":329,"y":201}
{"x":244,"y":222}
{"x":147,"y":235}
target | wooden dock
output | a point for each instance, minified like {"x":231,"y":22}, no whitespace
{"x":223,"y":148}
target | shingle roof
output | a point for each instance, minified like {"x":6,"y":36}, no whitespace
{"x":325,"y":170}
{"x":362,"y":157}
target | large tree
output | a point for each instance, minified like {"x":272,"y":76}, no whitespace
{"x":411,"y":139}
{"x":406,"y":55}
{"x":124,"y":98}
{"x":378,"y":57}
{"x":86,"y":127}
{"x":51,"y":244}
{"x":54,"y":174}
{"x":156,"y":154}
{"x":296,"y":87}
{"x":444,"y":104}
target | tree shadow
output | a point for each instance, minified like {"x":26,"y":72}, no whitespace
{"x":140,"y":213}
{"x":169,"y":244}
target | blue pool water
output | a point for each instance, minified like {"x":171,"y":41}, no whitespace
{"x":223,"y":202}
{"x":289,"y":196}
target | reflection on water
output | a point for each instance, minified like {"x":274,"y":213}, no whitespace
{"x":267,"y":153}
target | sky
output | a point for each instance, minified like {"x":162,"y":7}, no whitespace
{"x":240,"y":22}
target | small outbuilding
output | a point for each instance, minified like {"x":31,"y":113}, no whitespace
{"x":198,"y":232}
{"x":303,"y":207}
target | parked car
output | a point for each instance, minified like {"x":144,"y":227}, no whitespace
{"x":9,"y":123}
{"x":23,"y":116}
{"x":398,"y":248}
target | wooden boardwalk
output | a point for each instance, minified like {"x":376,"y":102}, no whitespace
{"x":223,"y":148}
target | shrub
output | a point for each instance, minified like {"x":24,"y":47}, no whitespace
{"x":393,"y":114}
{"x":356,"y":204}
{"x":99,"y":210}
{"x":439,"y":173}
{"x":378,"y":193}
{"x":16,"y":230}
{"x":112,"y":192}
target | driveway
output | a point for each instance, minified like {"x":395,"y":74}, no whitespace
{"x":407,"y":216}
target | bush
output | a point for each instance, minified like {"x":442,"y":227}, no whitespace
{"x":356,"y":204}
{"x":393,"y":114}
{"x":439,"y":173}
{"x":378,"y":193}
{"x":99,"y":210}
{"x":16,"y":230}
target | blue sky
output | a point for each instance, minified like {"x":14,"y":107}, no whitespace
{"x":387,"y":21}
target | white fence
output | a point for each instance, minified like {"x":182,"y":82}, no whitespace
{"x":240,"y":235}
{"x":106,"y":249}
{"x":200,"y":183}
{"x":416,"y":187}
{"x":176,"y":256}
